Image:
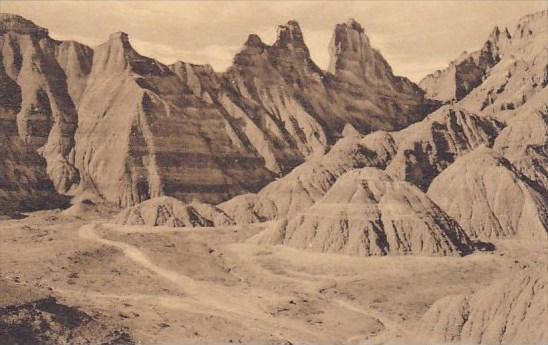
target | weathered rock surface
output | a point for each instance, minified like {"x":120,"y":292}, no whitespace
{"x":48,"y":322}
{"x":367,"y":212}
{"x":416,"y":154}
{"x":168,"y":211}
{"x":510,"y":311}
{"x":143,"y":134}
{"x":428,"y":147}
{"x":24,"y":183}
{"x":490,"y":199}
{"x":309,"y":182}
{"x":500,"y":77}
{"x":128,"y":128}
{"x":41,"y":75}
{"x":521,"y":73}
{"x":467,"y":71}
{"x":524,"y":141}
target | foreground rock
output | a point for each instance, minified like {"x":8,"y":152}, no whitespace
{"x":489,"y":198}
{"x":367,"y":212}
{"x":510,"y":311}
{"x":167,"y":211}
{"x":48,"y":322}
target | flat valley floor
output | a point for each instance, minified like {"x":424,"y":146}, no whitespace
{"x":207,"y":286}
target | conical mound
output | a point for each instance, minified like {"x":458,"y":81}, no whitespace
{"x":167,"y":211}
{"x":489,"y":198}
{"x":367,"y":212}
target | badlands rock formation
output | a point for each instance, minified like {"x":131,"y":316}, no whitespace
{"x":167,"y":211}
{"x":128,"y":128}
{"x":143,"y":134}
{"x":523,"y":142}
{"x":38,"y":73}
{"x":490,"y":199}
{"x":367,"y":212}
{"x":521,"y":72}
{"x":510,"y":311}
{"x":416,"y":154}
{"x":428,"y":147}
{"x":309,"y":182}
{"x":503,"y":75}
{"x":467,"y":71}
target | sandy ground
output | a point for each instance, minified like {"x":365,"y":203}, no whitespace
{"x":207,"y":286}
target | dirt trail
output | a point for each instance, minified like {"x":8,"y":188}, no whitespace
{"x":390,"y":327}
{"x":222,"y":301}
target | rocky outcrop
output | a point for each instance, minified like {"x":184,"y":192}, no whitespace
{"x":361,"y":73}
{"x":416,"y":154}
{"x":523,"y":142}
{"x":167,"y":211}
{"x":467,"y":71}
{"x":47,"y":321}
{"x":507,"y":71}
{"x":490,"y":199}
{"x":142,"y":133}
{"x":127,"y":128}
{"x":428,"y":147}
{"x":510,"y":311}
{"x":41,"y":72}
{"x":367,"y":212}
{"x":309,"y":182}
{"x":521,"y":73}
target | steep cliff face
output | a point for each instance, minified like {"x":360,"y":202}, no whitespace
{"x":285,"y":80}
{"x":490,"y":199}
{"x":523,"y":142}
{"x":467,"y":71}
{"x":416,"y":154}
{"x":507,"y":71}
{"x":521,"y":73}
{"x":367,"y":212}
{"x":144,"y":133}
{"x":363,"y":78}
{"x":186,"y":131}
{"x":428,"y":147}
{"x":510,"y":311}
{"x":46,"y":120}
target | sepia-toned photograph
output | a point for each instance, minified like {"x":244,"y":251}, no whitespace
{"x":273,"y":172}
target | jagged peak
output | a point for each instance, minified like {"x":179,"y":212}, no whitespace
{"x":118,"y":54}
{"x":15,"y":23}
{"x":498,"y":34}
{"x":120,"y":35}
{"x":253,"y":40}
{"x":354,"y":25}
{"x":290,"y":33}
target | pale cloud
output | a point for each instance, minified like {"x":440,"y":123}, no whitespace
{"x":415,"y":37}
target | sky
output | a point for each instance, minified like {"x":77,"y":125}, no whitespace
{"x":415,"y":37}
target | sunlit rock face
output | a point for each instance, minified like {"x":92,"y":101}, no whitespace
{"x":509,"y":311}
{"x":503,"y":75}
{"x":367,"y":212}
{"x":128,"y":128}
{"x":490,"y":198}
